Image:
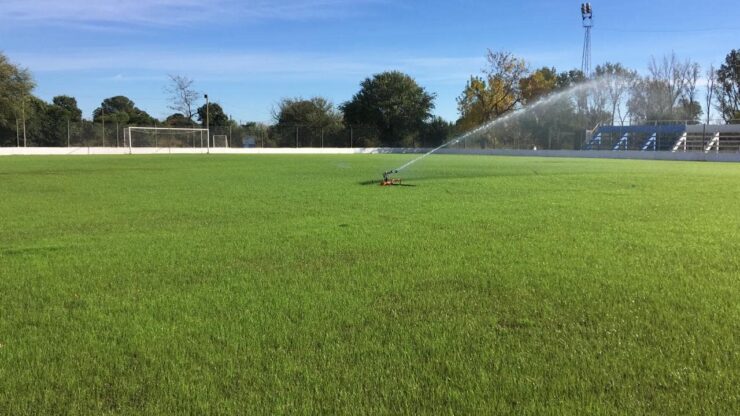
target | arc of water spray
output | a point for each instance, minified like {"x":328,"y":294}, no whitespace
{"x":486,"y":126}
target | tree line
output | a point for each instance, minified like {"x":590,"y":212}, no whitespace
{"x":392,"y":109}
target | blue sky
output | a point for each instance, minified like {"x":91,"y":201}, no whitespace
{"x":249,"y":54}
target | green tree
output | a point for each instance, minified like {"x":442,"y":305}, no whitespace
{"x":120,"y":109}
{"x":38,"y":123}
{"x":216,"y":116}
{"x":311,"y":120}
{"x":57,"y":120}
{"x":567,"y":79}
{"x":538,"y":84}
{"x":67,"y":107}
{"x":394,"y":104}
{"x":436,"y":132}
{"x":494,"y":93}
{"x":49,"y":124}
{"x":178,"y":120}
{"x":16,"y":85}
{"x":727,"y":87}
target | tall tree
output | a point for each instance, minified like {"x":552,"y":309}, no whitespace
{"x":67,"y":106}
{"x":436,"y":132}
{"x":709,"y":93}
{"x":16,"y":85}
{"x":495,"y":92}
{"x":727,"y":88}
{"x":668,"y":92}
{"x":567,"y":79}
{"x":689,"y":108}
{"x":215,"y":115}
{"x":178,"y":120}
{"x":310,"y":120}
{"x":183,"y":97}
{"x":120,"y":109}
{"x":316,"y":112}
{"x":538,"y":84}
{"x":394,"y":104}
{"x":616,"y":80}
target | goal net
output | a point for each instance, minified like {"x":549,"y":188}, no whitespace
{"x":220,"y":140}
{"x":166,"y":137}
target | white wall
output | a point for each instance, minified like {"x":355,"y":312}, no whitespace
{"x":606,"y":154}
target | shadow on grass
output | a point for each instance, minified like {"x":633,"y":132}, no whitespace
{"x":377,"y":183}
{"x":444,"y":176}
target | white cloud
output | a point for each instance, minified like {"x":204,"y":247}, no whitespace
{"x":234,"y":65}
{"x":94,"y":14}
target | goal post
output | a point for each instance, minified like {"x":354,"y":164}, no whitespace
{"x":166,"y":137}
{"x":220,"y":140}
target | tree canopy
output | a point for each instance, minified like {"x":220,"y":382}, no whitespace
{"x":316,"y":113}
{"x":727,"y":87}
{"x":16,"y":85}
{"x":316,"y":119}
{"x":121,"y":109}
{"x":215,"y":114}
{"x":495,"y":92}
{"x":394,"y":104}
{"x":178,"y":120}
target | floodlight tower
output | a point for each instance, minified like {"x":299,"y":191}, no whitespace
{"x":588,"y":23}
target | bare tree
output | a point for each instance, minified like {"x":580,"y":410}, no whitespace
{"x":672,"y":87}
{"x":617,"y":81}
{"x":182,"y":95}
{"x":693,"y":71}
{"x":689,"y":106}
{"x":711,"y":78}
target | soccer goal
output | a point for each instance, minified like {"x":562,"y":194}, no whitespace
{"x":220,"y":140}
{"x":166,"y":137}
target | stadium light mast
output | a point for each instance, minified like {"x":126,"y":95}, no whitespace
{"x":588,"y":22}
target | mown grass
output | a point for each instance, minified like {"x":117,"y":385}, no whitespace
{"x":287,"y":284}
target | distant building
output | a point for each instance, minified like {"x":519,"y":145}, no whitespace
{"x":249,"y":141}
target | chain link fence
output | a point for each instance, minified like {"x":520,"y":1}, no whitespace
{"x":539,"y":135}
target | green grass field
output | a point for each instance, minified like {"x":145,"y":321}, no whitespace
{"x":289,"y":284}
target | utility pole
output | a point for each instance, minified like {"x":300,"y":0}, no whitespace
{"x":208,"y":127}
{"x":102,"y":117}
{"x":23,"y":112}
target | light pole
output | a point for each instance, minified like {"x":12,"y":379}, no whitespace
{"x":23,"y":112}
{"x":102,"y":117}
{"x":588,"y":22}
{"x":208,"y":127}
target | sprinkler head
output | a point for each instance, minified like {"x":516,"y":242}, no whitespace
{"x":387,"y":180}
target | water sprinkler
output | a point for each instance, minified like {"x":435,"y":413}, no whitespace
{"x":388,"y":181}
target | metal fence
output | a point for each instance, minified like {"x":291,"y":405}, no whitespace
{"x":541,"y":136}
{"x":89,"y":134}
